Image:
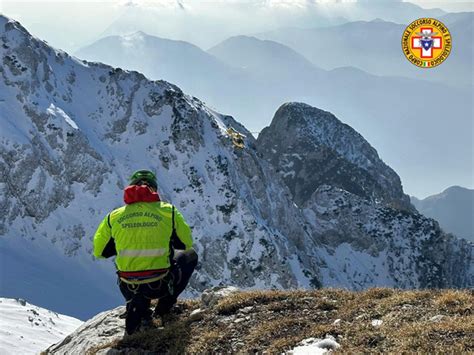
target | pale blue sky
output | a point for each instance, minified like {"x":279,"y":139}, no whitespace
{"x":72,"y":24}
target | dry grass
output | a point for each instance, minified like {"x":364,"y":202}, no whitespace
{"x":455,"y":301}
{"x":279,"y":320}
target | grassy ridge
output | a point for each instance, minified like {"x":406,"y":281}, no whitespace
{"x":426,"y":321}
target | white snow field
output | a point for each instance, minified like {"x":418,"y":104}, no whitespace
{"x":28,"y":329}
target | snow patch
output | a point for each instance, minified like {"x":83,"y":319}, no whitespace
{"x":58,"y":112}
{"x":28,"y":329}
{"x":313,"y":346}
{"x":376,"y":322}
{"x":437,"y":318}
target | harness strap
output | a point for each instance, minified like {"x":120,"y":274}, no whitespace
{"x":139,"y":282}
{"x":141,"y":274}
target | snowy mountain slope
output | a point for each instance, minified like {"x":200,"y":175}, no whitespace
{"x":368,"y":243}
{"x":453,"y":209}
{"x":28,"y":329}
{"x":73,"y":131}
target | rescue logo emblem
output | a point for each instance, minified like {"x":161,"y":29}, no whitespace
{"x":426,"y":42}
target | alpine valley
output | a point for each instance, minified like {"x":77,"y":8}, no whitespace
{"x":308,"y":204}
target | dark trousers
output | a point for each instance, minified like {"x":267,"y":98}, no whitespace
{"x":166,"y":290}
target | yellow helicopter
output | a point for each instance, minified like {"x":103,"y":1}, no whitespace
{"x":237,"y":137}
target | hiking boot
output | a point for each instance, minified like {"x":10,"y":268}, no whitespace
{"x":172,"y":315}
{"x":167,"y":319}
{"x":146,"y":324}
{"x":126,"y":334}
{"x":177,"y":309}
{"x":149,"y":314}
{"x":164,"y":306}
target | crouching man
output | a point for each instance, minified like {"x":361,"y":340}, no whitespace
{"x":153,"y":248}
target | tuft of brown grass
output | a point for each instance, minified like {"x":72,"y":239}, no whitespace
{"x":455,"y":301}
{"x":202,"y":343}
{"x":447,"y":335}
{"x":236,"y":301}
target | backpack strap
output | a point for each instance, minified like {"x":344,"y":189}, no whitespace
{"x":176,"y":243}
{"x":172,"y":220}
{"x":108,"y":221}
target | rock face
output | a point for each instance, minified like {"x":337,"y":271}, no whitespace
{"x":396,"y":244}
{"x":353,"y":202}
{"x":72,"y":132}
{"x":310,"y":147}
{"x":103,"y":328}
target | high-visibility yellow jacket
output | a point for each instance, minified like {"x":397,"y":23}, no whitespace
{"x":142,"y":234}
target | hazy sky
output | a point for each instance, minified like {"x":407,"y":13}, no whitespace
{"x":73,"y":24}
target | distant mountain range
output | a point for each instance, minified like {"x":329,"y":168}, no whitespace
{"x":453,"y":209}
{"x":374,"y":46}
{"x":249,"y":78}
{"x":265,"y":58}
{"x":208,"y":23}
{"x":182,"y":63}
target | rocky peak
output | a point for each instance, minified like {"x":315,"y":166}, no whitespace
{"x":310,"y":147}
